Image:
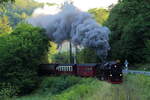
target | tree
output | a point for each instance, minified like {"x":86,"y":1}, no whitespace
{"x":52,"y":52}
{"x":19,"y":10}
{"x":87,"y":55}
{"x":21,"y":52}
{"x":128,"y":22}
{"x":4,"y":25}
{"x":147,"y":51}
{"x":100,"y":14}
{"x":60,"y":57}
{"x":3,"y":1}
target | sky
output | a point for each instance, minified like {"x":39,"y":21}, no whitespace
{"x":84,"y":5}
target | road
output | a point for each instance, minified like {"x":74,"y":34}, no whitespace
{"x":136,"y":72}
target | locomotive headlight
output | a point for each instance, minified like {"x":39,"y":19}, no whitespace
{"x":110,"y":75}
{"x":120,"y":74}
{"x":115,"y":66}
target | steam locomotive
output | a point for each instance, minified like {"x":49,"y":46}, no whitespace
{"x":109,"y":71}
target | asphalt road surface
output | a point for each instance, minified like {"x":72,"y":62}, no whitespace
{"x":136,"y":72}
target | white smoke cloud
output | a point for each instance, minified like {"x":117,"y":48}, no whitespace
{"x":85,"y":5}
{"x":46,"y":10}
{"x":76,"y":26}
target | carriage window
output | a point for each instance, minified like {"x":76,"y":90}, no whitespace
{"x":89,"y":69}
{"x":62,"y":68}
{"x":69,"y":68}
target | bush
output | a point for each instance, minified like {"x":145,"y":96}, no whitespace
{"x":7,"y":90}
{"x":55,"y":85}
{"x":86,"y":88}
{"x":20,"y":54}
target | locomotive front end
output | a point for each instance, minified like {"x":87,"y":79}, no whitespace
{"x":116,"y":75}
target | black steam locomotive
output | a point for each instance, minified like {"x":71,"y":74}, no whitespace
{"x":109,"y":71}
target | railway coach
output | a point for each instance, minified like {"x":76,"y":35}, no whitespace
{"x":109,"y":71}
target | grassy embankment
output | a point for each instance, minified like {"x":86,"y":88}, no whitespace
{"x":135,"y":87}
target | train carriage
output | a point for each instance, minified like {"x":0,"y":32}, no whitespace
{"x":109,"y":71}
{"x":47,"y":69}
{"x":66,"y":69}
{"x":86,"y":70}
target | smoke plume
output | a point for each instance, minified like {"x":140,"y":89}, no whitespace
{"x":76,"y":26}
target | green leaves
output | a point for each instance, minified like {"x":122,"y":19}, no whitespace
{"x":87,"y":55}
{"x":20,"y":54}
{"x":3,"y":1}
{"x":100,"y":14}
{"x":129,"y":22}
{"x":5,"y":28}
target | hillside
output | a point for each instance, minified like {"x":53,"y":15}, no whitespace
{"x":135,"y":87}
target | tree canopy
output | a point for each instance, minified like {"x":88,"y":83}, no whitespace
{"x":100,"y":14}
{"x":19,"y":10}
{"x":5,"y":28}
{"x":87,"y":55}
{"x":20,"y":54}
{"x":129,"y":25}
{"x":3,"y":1}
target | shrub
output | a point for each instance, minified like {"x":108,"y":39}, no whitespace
{"x":85,"y":88}
{"x":7,"y":90}
{"x":56,"y":85}
{"x":20,"y":54}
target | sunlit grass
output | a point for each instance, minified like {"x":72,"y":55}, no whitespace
{"x":134,"y":87}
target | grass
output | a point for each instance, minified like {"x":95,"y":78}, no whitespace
{"x":144,"y":67}
{"x":135,"y":87}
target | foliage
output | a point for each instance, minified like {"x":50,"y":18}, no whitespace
{"x":147,"y":51}
{"x":87,"y":55}
{"x":7,"y":91}
{"x":128,"y":22}
{"x":19,"y":11}
{"x":53,"y":50}
{"x":79,"y":88}
{"x":27,"y":4}
{"x":79,"y":91}
{"x":60,"y":57}
{"x":134,"y":87}
{"x":20,"y":54}
{"x":4,"y":26}
{"x":3,"y":1}
{"x":100,"y":14}
{"x":55,"y":85}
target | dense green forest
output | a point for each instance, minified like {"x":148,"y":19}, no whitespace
{"x":23,"y":47}
{"x":129,"y":22}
